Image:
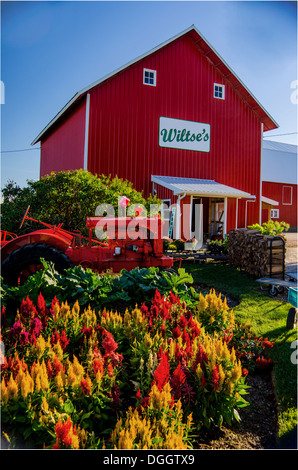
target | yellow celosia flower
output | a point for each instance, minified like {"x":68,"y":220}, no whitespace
{"x":148,"y":341}
{"x":27,"y":385}
{"x":199,"y":372}
{"x":212,"y":358}
{"x":160,"y":400}
{"x":222,"y":376}
{"x":40,"y":346}
{"x":77,"y":367}
{"x":12,"y":388}
{"x":4,"y":392}
{"x":56,"y":310}
{"x":125,"y":441}
{"x":236,"y":371}
{"x":44,"y":405}
{"x":231,"y":319}
{"x":57,"y":348}
{"x":76,"y":308}
{"x":172,"y":348}
{"x":174,"y":441}
{"x":59,"y":380}
{"x":64,"y":310}
{"x":202,"y":304}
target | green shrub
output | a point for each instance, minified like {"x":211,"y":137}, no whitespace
{"x":67,"y":197}
{"x":271,"y":227}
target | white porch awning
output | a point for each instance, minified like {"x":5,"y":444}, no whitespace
{"x":198,"y":187}
{"x":269,"y":201}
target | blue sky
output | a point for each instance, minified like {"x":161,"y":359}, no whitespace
{"x":52,"y":49}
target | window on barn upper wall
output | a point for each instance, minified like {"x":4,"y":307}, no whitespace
{"x":149,"y":77}
{"x":219,"y":91}
{"x":287,"y":195}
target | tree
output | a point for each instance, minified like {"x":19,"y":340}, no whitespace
{"x":67,"y":197}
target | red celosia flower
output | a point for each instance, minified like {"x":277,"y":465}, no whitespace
{"x":163,"y":330}
{"x":174,"y":299}
{"x":263,"y":363}
{"x":185,"y":337}
{"x":50,"y":370}
{"x":178,"y":353}
{"x":177,"y":381}
{"x":54,"y":302}
{"x":144,"y":309}
{"x":203,"y":381}
{"x":176,"y":332}
{"x":87,"y":332}
{"x":227,"y":337}
{"x":244,"y":372}
{"x":215,"y":377}
{"x":157,"y":297}
{"x":57,"y":365}
{"x":35,"y":326}
{"x":27,"y":308}
{"x":201,"y":357}
{"x":154,"y":310}
{"x":162,"y":372}
{"x":109,"y":344}
{"x":3,"y":317}
{"x":41,"y":305}
{"x":195,"y":331}
{"x":138,"y":395}
{"x":64,"y":341}
{"x":182,"y":322}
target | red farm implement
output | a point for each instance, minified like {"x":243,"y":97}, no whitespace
{"x":131,"y":242}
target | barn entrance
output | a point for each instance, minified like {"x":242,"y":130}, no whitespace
{"x":207,"y":217}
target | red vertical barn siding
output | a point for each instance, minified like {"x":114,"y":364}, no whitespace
{"x":124,"y":124}
{"x":287,"y":213}
{"x":63,"y":148}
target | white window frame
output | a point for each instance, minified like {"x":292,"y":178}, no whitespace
{"x":222,"y":91}
{"x":154,"y":77}
{"x":287,"y":203}
{"x":274,"y":214}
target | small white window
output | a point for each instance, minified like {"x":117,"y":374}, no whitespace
{"x":149,"y":77}
{"x":219,"y":91}
{"x":274,"y":214}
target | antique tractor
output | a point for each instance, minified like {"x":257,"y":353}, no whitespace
{"x":130,"y":242}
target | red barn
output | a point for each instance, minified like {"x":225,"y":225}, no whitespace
{"x":176,"y":121}
{"x":279,"y":183}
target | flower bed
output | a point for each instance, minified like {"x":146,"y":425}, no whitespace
{"x":151,"y":377}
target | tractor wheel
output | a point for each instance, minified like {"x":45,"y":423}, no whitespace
{"x":25,"y":261}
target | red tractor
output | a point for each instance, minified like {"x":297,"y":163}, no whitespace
{"x":135,"y":241}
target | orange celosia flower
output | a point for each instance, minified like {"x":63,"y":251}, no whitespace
{"x":266,"y":344}
{"x":66,"y":435}
{"x":110,"y":370}
{"x":98,"y":365}
{"x":86,"y":385}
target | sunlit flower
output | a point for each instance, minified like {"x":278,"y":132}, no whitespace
{"x":86,"y":385}
{"x":66,"y":436}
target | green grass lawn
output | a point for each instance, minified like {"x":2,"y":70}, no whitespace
{"x":267,"y":316}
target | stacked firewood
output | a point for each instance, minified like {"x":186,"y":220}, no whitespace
{"x":259,"y":255}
